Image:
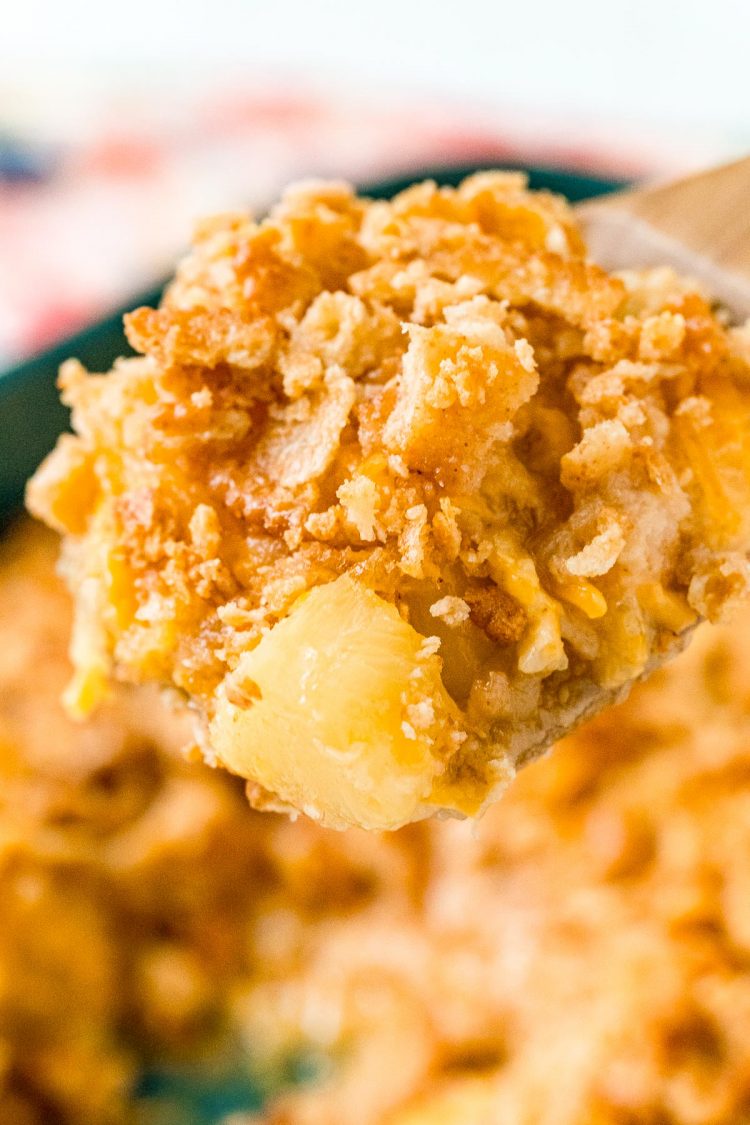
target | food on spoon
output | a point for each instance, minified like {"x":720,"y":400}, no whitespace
{"x":399,"y":492}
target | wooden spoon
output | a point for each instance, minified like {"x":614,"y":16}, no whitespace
{"x":699,"y":225}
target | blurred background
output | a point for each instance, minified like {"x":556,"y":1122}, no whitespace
{"x":119,"y":124}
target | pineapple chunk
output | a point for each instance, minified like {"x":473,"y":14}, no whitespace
{"x":341,"y":711}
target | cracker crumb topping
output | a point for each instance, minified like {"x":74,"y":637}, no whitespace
{"x":440,"y":397}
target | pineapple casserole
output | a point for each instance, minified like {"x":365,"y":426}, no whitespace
{"x":605,"y":978}
{"x":397,"y":493}
{"x":121,"y":930}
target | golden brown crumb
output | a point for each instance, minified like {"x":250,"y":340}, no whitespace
{"x":496,"y":613}
{"x":392,"y":404}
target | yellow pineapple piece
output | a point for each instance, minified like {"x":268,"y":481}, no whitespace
{"x":340,"y":710}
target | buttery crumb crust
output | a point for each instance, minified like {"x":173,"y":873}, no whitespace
{"x":440,"y":399}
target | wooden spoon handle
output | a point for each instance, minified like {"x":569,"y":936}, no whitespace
{"x":699,"y":225}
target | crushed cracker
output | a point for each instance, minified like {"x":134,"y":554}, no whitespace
{"x":440,"y":397}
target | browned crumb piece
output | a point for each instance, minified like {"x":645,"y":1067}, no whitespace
{"x":496,"y":613}
{"x":419,"y":471}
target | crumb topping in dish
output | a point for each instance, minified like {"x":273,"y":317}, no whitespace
{"x":581,"y":955}
{"x":398,"y":492}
